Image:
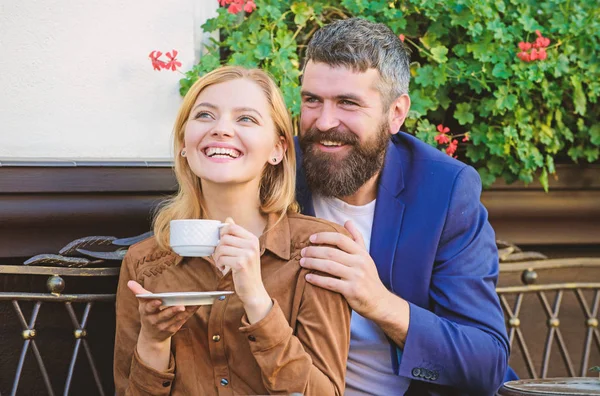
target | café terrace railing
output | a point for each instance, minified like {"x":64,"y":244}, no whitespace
{"x":97,"y":257}
{"x":74,"y":260}
{"x":554,"y":309}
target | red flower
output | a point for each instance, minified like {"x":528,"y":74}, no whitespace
{"x":249,"y":6}
{"x":533,"y":55}
{"x":442,"y":138}
{"x":234,"y":8}
{"x":542,"y":55}
{"x":156,"y":63}
{"x":524,"y":46}
{"x":442,"y":129}
{"x":173,"y":63}
{"x":524,"y":56}
{"x":401,"y":37}
{"x":451,"y":149}
{"x":467,"y":137}
{"x":541,"y":42}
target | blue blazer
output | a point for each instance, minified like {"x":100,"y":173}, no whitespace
{"x":434,"y":247}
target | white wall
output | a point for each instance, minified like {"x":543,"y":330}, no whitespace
{"x":76,"y":81}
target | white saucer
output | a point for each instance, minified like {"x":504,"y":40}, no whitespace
{"x":184,"y":298}
{"x":194,"y":250}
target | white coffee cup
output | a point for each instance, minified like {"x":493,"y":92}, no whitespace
{"x":194,"y":237}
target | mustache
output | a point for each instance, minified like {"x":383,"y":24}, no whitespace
{"x":314,"y":135}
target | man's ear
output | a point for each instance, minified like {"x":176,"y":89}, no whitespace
{"x":398,"y":112}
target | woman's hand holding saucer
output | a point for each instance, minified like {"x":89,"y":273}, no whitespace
{"x":158,"y":325}
{"x":239,"y":251}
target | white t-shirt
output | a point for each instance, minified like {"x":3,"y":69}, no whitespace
{"x":369,"y":368}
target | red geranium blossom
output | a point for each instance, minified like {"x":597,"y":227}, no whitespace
{"x":451,"y":149}
{"x":442,"y":129}
{"x":442,"y":138}
{"x":173,"y":63}
{"x":156,"y":63}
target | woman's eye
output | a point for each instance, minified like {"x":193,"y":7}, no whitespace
{"x":202,"y":114}
{"x":247,"y":119}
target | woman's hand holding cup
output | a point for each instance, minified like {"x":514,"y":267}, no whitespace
{"x":239,"y":251}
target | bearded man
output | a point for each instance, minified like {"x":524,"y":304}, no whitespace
{"x":421,"y":267}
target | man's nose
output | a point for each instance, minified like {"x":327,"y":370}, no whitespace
{"x":327,"y":118}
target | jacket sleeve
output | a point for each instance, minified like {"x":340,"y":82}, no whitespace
{"x":460,"y":341}
{"x":313,"y":360}
{"x":132,"y":376}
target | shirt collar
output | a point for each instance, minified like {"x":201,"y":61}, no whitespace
{"x":277,"y":237}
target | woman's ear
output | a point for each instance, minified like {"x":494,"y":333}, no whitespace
{"x":398,"y":112}
{"x":278,"y":151}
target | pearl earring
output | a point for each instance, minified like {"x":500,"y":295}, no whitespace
{"x":183,"y":153}
{"x":274,"y":160}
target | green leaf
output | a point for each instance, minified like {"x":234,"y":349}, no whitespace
{"x":500,"y":5}
{"x":529,"y":24}
{"x":439,"y":54}
{"x":431,"y":76}
{"x":463,"y":114}
{"x":505,"y":100}
{"x":303,"y":12}
{"x":487,"y":178}
{"x":591,"y":153}
{"x":544,"y":179}
{"x":579,"y":99}
{"x":500,"y":30}
{"x":595,"y":134}
{"x":501,"y":71}
{"x":421,"y":103}
{"x":575,"y":152}
{"x":562,"y":66}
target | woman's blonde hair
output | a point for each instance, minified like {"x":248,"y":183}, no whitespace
{"x":277,"y":187}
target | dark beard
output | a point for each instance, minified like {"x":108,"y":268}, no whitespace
{"x":331,"y":177}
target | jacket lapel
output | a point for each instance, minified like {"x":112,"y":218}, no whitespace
{"x":388,"y":215}
{"x":388,"y":210}
{"x":303,"y":194}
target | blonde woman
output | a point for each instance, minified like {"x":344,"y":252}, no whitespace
{"x":277,"y":333}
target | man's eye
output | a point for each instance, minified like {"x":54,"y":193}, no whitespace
{"x":348,"y":103}
{"x":311,"y":100}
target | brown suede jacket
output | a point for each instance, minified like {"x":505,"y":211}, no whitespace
{"x":300,"y":346}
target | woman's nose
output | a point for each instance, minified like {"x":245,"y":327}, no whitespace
{"x":223,"y":128}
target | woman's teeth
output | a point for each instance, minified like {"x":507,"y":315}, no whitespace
{"x":221,"y":152}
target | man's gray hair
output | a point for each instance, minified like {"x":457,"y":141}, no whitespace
{"x":360,"y":45}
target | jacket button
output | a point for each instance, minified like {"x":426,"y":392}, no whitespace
{"x":435,"y":375}
{"x":416,"y":372}
{"x":251,"y":338}
{"x":224,"y":381}
{"x":216,"y":338}
{"x":166,"y":384}
{"x":427,"y":374}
